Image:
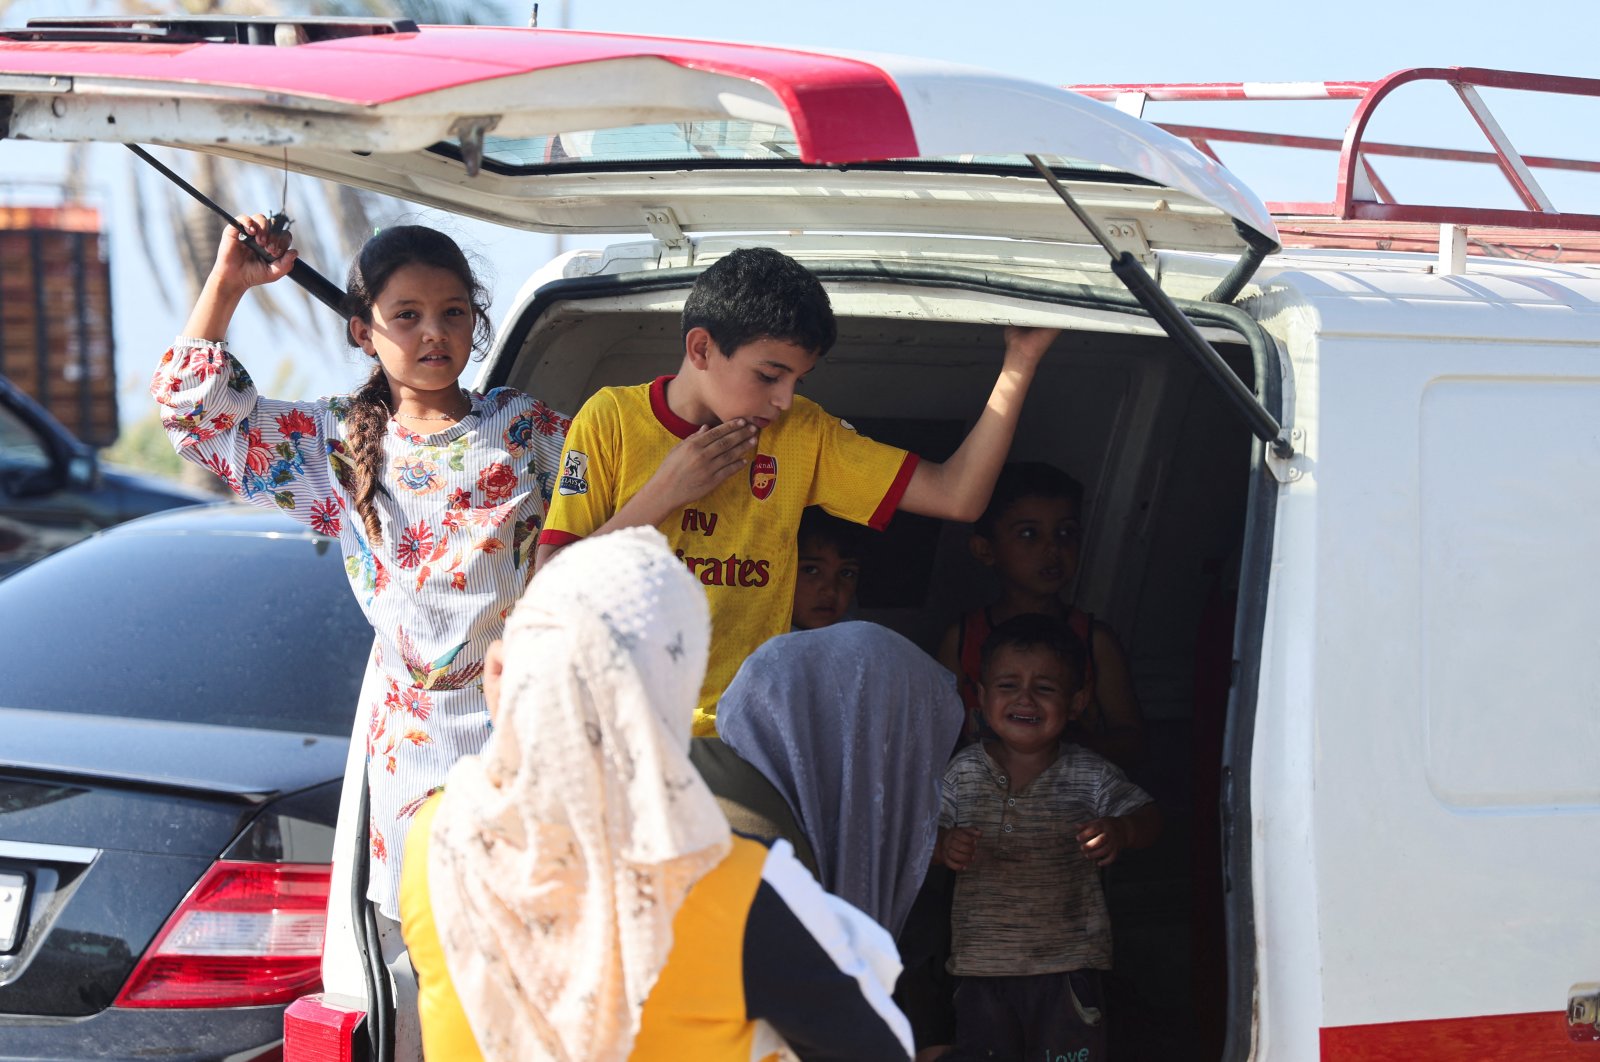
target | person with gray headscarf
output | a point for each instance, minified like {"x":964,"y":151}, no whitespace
{"x":852,"y":724}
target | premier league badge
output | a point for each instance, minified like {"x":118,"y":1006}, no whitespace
{"x":574,"y":473}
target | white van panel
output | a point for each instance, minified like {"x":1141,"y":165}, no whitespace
{"x":1397,"y":617}
{"x":1493,"y":302}
{"x":1283,"y":763}
{"x":1510,"y":615}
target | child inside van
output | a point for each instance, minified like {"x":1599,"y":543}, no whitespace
{"x":723,"y":456}
{"x":1030,"y":534}
{"x":1026,"y":822}
{"x":825,"y":585}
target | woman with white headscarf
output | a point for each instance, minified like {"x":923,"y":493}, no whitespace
{"x":579,"y":896}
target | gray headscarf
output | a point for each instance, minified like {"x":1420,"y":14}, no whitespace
{"x":852,"y":724}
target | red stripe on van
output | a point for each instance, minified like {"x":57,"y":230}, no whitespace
{"x":1488,"y":1038}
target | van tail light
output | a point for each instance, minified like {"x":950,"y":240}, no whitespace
{"x":320,"y":1028}
{"x":248,"y":934}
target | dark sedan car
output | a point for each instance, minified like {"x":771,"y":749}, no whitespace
{"x":176,"y":698}
{"x":54,"y":491}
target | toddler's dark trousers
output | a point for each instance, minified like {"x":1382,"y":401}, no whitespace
{"x":1055,"y":1017}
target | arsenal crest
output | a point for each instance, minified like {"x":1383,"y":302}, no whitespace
{"x":763,"y":475}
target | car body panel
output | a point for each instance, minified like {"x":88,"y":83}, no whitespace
{"x":240,"y":762}
{"x":221,"y":518}
{"x":279,"y":650}
{"x":372,"y":110}
{"x":113,"y":817}
{"x":87,"y":926}
{"x":95,"y":815}
{"x":251,"y":1034}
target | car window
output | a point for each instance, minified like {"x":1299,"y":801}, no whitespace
{"x":724,"y":140}
{"x":228,"y":629}
{"x":20,"y":445}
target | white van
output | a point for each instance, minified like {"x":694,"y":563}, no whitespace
{"x":1376,"y":479}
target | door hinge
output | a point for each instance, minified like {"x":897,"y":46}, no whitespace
{"x":1583,"y":1013}
{"x":470,"y":133}
{"x":676,"y":248}
{"x":1289,"y":469}
{"x":1126,"y":234}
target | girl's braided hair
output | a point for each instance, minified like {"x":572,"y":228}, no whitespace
{"x":366,"y":418}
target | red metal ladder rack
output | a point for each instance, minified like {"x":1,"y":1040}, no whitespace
{"x":1363,"y":214}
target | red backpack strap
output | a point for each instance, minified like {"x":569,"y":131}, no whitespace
{"x":1082,"y":624}
{"x":972,"y":631}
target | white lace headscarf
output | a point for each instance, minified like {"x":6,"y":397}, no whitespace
{"x":561,"y":853}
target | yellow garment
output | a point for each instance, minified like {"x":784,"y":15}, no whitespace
{"x":696,"y":1009}
{"x":445,"y":1032}
{"x":739,"y":540}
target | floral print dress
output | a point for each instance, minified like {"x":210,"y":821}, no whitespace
{"x":460,"y":512}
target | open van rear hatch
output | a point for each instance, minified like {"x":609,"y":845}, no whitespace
{"x":586,"y":132}
{"x":577,"y":132}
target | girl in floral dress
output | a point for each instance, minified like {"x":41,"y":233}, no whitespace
{"x":436,"y":494}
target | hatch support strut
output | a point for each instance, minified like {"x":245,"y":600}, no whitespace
{"x":320,"y":287}
{"x":1182,"y":331}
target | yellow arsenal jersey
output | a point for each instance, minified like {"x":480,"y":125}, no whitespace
{"x":739,"y":540}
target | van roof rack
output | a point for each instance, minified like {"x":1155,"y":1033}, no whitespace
{"x":198,"y":29}
{"x":1363,"y":214}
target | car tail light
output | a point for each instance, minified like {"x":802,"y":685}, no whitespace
{"x":247,"y":934}
{"x":320,"y":1029}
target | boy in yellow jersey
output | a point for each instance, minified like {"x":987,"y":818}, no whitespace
{"x":723,"y":457}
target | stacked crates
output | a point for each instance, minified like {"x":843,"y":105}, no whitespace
{"x":55,"y":315}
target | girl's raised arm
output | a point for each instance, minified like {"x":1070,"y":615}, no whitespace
{"x":236,"y":271}
{"x":275,"y":454}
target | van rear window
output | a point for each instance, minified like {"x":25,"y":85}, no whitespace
{"x":701,"y":143}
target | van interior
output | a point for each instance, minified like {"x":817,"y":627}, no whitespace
{"x":1166,"y":467}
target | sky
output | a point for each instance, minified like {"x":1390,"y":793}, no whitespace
{"x":1056,"y":41}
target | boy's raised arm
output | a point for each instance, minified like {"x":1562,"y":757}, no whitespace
{"x":959,"y":488}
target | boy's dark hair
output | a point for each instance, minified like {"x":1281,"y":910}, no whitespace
{"x":753,"y":292}
{"x":819,"y":527}
{"x":1035,"y":630}
{"x":1026,"y":479}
